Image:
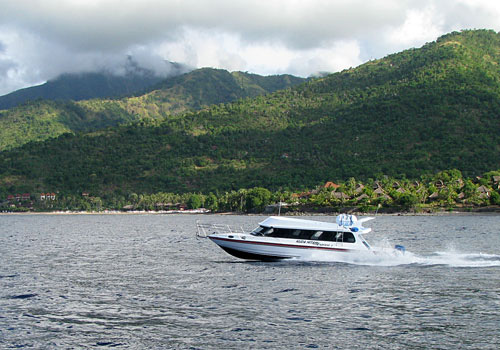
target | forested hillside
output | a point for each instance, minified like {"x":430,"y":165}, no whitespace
{"x":411,"y":113}
{"x":42,"y":119}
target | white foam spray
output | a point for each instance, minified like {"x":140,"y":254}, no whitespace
{"x":392,"y":257}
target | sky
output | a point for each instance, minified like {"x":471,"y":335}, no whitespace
{"x":41,"y":39}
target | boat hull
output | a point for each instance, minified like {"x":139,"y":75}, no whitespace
{"x":252,"y":256}
{"x":273,"y":251}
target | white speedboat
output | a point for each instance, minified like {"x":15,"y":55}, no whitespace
{"x":280,"y":237}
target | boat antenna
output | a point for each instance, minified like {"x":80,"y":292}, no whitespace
{"x":279,"y":204}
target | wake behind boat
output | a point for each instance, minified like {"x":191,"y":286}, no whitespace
{"x":279,"y":238}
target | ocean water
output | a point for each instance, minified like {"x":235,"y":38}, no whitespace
{"x":147,"y":282}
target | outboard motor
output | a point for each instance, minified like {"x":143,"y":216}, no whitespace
{"x":400,"y":247}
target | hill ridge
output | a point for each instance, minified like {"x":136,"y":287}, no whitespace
{"x":411,"y":113}
{"x":39,"y":120}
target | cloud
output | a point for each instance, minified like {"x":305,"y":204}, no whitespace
{"x":111,"y":25}
{"x":426,"y":23}
{"x":216,"y":49}
{"x":419,"y":25}
{"x":268,"y":57}
{"x":29,"y":59}
{"x":43,"y":38}
{"x":5,"y":67}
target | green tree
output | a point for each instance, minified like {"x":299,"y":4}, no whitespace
{"x":257,"y":198}
{"x":194,"y":201}
{"x":211,"y":202}
{"x":407,"y":200}
{"x":495,"y":198}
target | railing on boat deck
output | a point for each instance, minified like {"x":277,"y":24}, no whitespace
{"x":205,"y":229}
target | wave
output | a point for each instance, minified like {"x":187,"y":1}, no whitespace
{"x":457,"y":259}
{"x":392,"y":257}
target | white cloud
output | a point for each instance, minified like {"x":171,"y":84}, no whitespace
{"x":109,"y":25}
{"x":222,"y":50}
{"x":420,"y":25}
{"x":43,"y":38}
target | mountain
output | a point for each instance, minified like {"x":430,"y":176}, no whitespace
{"x":80,"y":87}
{"x":85,"y":86}
{"x":208,"y":86}
{"x":41,"y":119}
{"x":411,"y":113}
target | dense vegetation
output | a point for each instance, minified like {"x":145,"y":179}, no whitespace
{"x":445,"y":190}
{"x":413,"y":113}
{"x":42,"y":119}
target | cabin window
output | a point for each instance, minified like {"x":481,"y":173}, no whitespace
{"x":289,"y":233}
{"x":349,"y":238}
{"x":334,"y":236}
{"x":316,"y":235}
{"x":284,"y":233}
{"x":306,"y":234}
{"x":331,"y":236}
{"x":328,"y":236}
{"x":262,"y":231}
{"x":258,"y":231}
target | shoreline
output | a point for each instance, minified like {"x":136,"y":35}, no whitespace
{"x":109,"y":212}
{"x":440,"y":212}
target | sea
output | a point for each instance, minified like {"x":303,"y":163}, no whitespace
{"x":147,"y":282}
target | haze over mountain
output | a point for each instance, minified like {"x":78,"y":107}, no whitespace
{"x":415,"y":112}
{"x":103,"y":84}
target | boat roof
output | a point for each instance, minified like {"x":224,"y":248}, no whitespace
{"x":300,"y":224}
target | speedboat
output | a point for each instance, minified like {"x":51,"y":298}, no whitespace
{"x":278,"y":238}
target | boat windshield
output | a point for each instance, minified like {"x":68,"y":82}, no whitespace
{"x":262,"y":231}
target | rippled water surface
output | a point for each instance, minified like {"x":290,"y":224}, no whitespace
{"x":146,"y":282}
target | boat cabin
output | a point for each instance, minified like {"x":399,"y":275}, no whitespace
{"x":303,"y":229}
